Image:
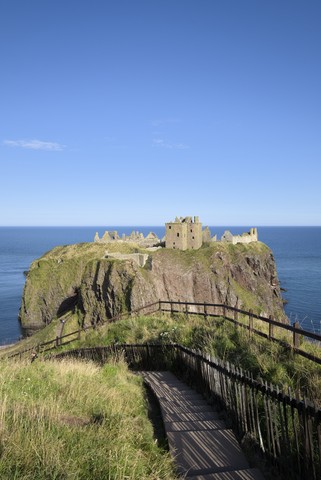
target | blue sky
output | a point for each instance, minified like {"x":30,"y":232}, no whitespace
{"x":132,"y":112}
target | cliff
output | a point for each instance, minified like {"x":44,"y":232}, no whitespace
{"x":82,"y":277}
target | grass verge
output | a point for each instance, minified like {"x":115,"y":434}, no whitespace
{"x":264,"y":359}
{"x":75,"y":420}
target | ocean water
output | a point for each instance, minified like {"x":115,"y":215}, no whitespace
{"x":297,"y":251}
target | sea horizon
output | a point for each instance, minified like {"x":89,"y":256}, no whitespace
{"x":150,"y":226}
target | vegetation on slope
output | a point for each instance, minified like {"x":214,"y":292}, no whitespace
{"x":80,"y":278}
{"x":74,"y":420}
{"x":263,"y":358}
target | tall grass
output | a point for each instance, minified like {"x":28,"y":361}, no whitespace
{"x":265,"y":359}
{"x":75,"y":420}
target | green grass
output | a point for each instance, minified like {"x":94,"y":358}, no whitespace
{"x":75,"y":420}
{"x":72,"y":420}
{"x":264,"y":359}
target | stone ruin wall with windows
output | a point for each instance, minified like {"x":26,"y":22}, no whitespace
{"x":185,"y":233}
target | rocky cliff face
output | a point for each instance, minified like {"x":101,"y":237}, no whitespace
{"x":80,"y":276}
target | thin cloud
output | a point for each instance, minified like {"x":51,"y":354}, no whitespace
{"x":35,"y":145}
{"x":164,"y":121}
{"x":160,"y":143}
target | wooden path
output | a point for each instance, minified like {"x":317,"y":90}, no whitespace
{"x":204,"y":449}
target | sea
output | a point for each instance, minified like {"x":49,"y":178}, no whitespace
{"x":297,"y":252}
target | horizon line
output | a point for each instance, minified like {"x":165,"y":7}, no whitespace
{"x":144,"y":226}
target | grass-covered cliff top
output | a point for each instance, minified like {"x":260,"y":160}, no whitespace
{"x":80,"y":276}
{"x":93,"y":250}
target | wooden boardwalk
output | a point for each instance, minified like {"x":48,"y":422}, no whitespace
{"x":204,"y":449}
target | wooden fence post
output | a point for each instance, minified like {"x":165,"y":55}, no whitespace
{"x":296,"y":336}
{"x":186,"y":310}
{"x":250,"y":322}
{"x":57,"y":342}
{"x":224,"y":311}
{"x":236,"y":317}
{"x":271,"y":328}
{"x":159,"y":305}
{"x":205,"y":311}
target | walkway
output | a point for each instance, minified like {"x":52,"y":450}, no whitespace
{"x":204,"y":449}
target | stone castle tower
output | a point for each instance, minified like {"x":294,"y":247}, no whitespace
{"x":184,"y":233}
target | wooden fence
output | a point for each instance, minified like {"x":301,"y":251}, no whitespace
{"x":232,"y":314}
{"x":286,"y":430}
{"x":207,"y":310}
{"x":61,"y":340}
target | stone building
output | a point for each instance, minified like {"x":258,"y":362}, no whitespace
{"x":246,"y":237}
{"x":151,"y":240}
{"x":184,"y":233}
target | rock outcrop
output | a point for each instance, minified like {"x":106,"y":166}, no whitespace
{"x":81,"y":277}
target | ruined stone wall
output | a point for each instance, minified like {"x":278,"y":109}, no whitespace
{"x":247,"y":237}
{"x":194,"y":235}
{"x":151,"y":240}
{"x":206,"y":234}
{"x":184,"y":233}
{"x":176,"y":235}
{"x":139,"y":258}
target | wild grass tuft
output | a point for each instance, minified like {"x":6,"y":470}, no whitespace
{"x":75,"y":420}
{"x":264,"y":359}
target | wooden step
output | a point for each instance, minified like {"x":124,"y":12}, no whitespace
{"x":248,"y":474}
{"x":203,"y":452}
{"x":203,"y":448}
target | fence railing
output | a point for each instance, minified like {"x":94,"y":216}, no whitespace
{"x":232,"y":315}
{"x":206,"y":310}
{"x":68,"y":338}
{"x":285,"y":429}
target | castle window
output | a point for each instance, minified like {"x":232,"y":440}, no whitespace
{"x":178,"y":234}
{"x":169,"y":226}
{"x":193,"y":238}
{"x":191,"y":231}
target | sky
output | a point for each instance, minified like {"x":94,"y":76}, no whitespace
{"x":135,"y":112}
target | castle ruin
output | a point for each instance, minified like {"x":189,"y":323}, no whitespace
{"x":151,"y":240}
{"x":246,"y":237}
{"x":185,"y":233}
